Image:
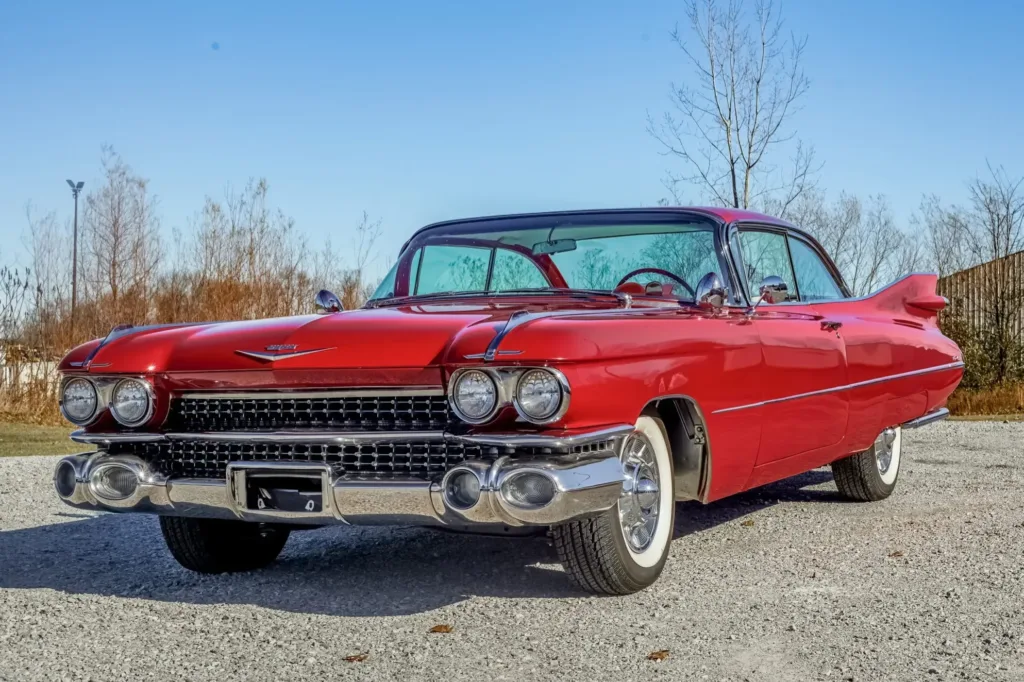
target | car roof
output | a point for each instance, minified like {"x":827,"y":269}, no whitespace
{"x":724,"y":215}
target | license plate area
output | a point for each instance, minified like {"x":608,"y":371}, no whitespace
{"x":271,"y":491}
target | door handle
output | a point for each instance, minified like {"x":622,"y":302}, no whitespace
{"x":830,"y":325}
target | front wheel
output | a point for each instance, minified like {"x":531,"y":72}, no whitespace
{"x":871,"y":475}
{"x":221,"y":546}
{"x":624,"y":549}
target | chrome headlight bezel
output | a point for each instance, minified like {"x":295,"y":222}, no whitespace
{"x":453,"y":387}
{"x":563,"y":398}
{"x":150,"y":402}
{"x":506,"y":383}
{"x":96,"y":401}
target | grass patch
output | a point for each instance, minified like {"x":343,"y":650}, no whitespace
{"x":27,"y":439}
{"x":1004,"y":401}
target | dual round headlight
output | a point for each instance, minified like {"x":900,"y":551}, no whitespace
{"x":130,"y":401}
{"x":475,"y":396}
{"x":79,"y":401}
{"x":539,"y":395}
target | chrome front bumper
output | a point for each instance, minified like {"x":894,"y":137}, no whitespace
{"x":582,"y":485}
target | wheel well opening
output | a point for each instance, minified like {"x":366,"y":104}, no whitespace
{"x":688,"y":438}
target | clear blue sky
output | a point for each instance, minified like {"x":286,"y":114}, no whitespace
{"x":419,"y":111}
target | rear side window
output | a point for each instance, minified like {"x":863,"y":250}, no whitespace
{"x":815,"y":280}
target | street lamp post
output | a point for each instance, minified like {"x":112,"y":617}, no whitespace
{"x":75,"y":189}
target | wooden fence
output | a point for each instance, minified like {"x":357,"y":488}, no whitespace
{"x":988,"y":295}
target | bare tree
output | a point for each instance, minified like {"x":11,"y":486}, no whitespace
{"x":728,"y":127}
{"x":122,"y":244}
{"x":861,"y":236}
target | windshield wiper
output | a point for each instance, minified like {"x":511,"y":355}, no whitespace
{"x":444,"y":295}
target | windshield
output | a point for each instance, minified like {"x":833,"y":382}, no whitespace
{"x":658,"y":258}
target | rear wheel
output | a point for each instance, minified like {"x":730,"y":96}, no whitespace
{"x":624,"y":549}
{"x":218,"y":546}
{"x":871,"y":475}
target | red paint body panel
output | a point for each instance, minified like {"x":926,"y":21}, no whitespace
{"x":781,"y":390}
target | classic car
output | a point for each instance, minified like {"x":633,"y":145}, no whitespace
{"x":573,"y":373}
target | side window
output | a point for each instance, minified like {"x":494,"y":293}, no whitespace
{"x":764,"y":254}
{"x":515,"y":271}
{"x":816,"y":282}
{"x":451,"y":268}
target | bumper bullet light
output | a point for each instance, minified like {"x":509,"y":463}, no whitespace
{"x":114,"y":482}
{"x":528,"y":490}
{"x":462,"y":490}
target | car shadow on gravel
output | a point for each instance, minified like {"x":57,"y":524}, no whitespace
{"x":694,"y":517}
{"x":340,"y":571}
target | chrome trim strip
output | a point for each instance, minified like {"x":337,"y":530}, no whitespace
{"x":527,"y":440}
{"x":481,"y":356}
{"x":510,"y":324}
{"x":271,"y":356}
{"x":847,"y":387}
{"x":339,"y":438}
{"x":323,"y":437}
{"x":930,"y":418}
{"x":288,"y":394}
{"x":108,"y":438}
{"x":521,"y":318}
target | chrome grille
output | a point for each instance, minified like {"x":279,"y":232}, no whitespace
{"x":358,"y":413}
{"x":209,"y":459}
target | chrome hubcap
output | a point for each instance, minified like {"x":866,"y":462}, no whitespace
{"x":883,"y":449}
{"x":640,"y":498}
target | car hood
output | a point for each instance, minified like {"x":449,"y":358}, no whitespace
{"x":392,"y":337}
{"x":397,"y":337}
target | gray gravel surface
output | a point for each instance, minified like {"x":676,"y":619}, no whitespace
{"x":784,"y":583}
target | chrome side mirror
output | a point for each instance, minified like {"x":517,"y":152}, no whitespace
{"x":711,"y":294}
{"x":772,"y":290}
{"x":326,"y":302}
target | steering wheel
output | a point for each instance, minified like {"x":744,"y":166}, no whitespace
{"x":657,"y":271}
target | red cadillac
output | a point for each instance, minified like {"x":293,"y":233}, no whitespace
{"x":572,"y":372}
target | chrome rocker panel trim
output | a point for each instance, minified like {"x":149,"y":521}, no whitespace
{"x":845,"y":387}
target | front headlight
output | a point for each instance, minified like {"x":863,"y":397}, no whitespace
{"x":474,"y":396}
{"x":78,"y":401}
{"x":131,"y":402}
{"x":541,"y":395}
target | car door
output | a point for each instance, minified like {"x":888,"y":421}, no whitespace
{"x":804,"y":356}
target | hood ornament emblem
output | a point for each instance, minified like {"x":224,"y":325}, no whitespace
{"x":280,"y":351}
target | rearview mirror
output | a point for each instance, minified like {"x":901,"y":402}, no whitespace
{"x":711,"y":294}
{"x":556,"y":246}
{"x":327,"y":302}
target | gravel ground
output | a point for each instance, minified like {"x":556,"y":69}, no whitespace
{"x":784,"y":583}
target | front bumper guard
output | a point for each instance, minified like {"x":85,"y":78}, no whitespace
{"x":582,"y":485}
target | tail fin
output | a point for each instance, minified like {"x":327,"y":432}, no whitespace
{"x":913,"y":295}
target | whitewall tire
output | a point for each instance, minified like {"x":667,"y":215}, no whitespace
{"x":871,"y":475}
{"x":624,"y":550}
